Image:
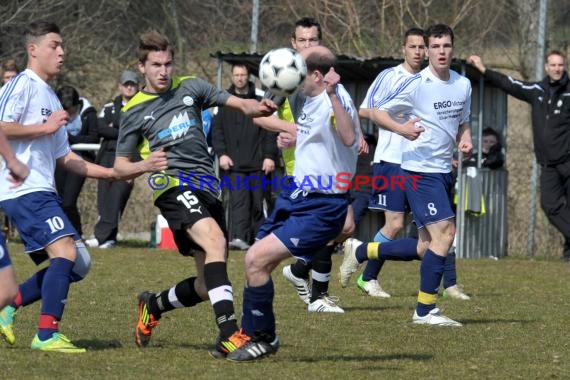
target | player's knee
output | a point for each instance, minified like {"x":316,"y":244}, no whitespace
{"x":82,"y":263}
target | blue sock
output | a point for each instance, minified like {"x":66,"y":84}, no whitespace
{"x":449,"y":271}
{"x":258,"y":309}
{"x":373,"y":267}
{"x":431,"y":271}
{"x":399,"y":250}
{"x":54,"y":292}
{"x":31,"y":289}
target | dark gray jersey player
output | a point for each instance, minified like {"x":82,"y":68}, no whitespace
{"x":163,"y":123}
{"x":172,"y":121}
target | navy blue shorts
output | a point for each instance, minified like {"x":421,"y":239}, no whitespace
{"x":305,"y":222}
{"x":4,"y":257}
{"x":39,"y":219}
{"x":430,"y":197}
{"x":388,"y":188}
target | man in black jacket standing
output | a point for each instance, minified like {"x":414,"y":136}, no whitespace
{"x":112,"y":196}
{"x":550,"y":102}
{"x":243,"y":151}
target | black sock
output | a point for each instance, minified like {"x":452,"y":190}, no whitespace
{"x":221,"y":296}
{"x":301,"y":269}
{"x":322,"y":265}
{"x":180,"y":295}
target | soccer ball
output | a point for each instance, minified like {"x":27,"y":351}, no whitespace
{"x":282,"y":71}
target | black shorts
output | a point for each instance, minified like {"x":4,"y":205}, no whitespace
{"x":182,"y":208}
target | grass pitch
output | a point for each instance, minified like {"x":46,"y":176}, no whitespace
{"x":517,"y":325}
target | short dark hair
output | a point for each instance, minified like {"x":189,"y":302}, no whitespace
{"x":68,"y":96}
{"x":308,"y":22}
{"x":438,"y":30}
{"x":38,"y":29}
{"x":413,"y":32}
{"x":317,"y":61}
{"x":150,"y":41}
{"x":240,"y":64}
{"x":488,"y":131}
{"x":554,"y":52}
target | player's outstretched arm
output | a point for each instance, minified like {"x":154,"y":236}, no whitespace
{"x":76,"y":164}
{"x":274,"y":124}
{"x":252,"y":107}
{"x":124,"y":168}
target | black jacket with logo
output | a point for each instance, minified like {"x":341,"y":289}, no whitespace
{"x":550,"y":104}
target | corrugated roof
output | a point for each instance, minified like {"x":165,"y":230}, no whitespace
{"x":351,"y":69}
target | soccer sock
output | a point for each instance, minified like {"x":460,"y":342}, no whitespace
{"x":258,"y":309}
{"x":431,"y":271}
{"x":321,"y":272}
{"x":301,"y":269}
{"x":373,"y":267}
{"x":31,"y":290}
{"x":397,"y":250}
{"x":55,"y":287}
{"x":449,"y":271}
{"x":221,"y":297}
{"x":180,"y":295}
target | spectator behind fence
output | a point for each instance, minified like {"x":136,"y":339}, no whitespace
{"x":243,"y":151}
{"x":492,"y":149}
{"x":9,"y":70}
{"x":81,"y":128}
{"x":550,"y":105}
{"x":491,"y":152}
{"x":112,"y":196}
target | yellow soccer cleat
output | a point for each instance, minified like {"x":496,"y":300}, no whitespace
{"x":57,"y":343}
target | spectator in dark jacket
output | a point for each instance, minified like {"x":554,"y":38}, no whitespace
{"x":243,"y":150}
{"x":112,"y":196}
{"x":81,"y":129}
{"x":550,"y":102}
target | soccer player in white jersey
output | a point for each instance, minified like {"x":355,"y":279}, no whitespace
{"x":310,"y":279}
{"x":387,"y":160}
{"x":436,"y":103}
{"x":306,"y":217}
{"x":31,"y":116}
{"x":18,"y":172}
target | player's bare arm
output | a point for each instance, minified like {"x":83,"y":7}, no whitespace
{"x":274,"y":124}
{"x":464,"y":142}
{"x":56,"y":120}
{"x":409,"y":130}
{"x":76,"y":164}
{"x":286,"y":140}
{"x":126,"y":169}
{"x":252,"y":107}
{"x":344,"y":125}
{"x":18,"y":171}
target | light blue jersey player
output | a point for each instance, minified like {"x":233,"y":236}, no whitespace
{"x":309,"y":216}
{"x":438,"y":102}
{"x":31,"y":116}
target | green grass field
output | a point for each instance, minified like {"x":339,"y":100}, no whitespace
{"x":517,"y":325}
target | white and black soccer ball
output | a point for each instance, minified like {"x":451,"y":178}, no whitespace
{"x":282,"y":71}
